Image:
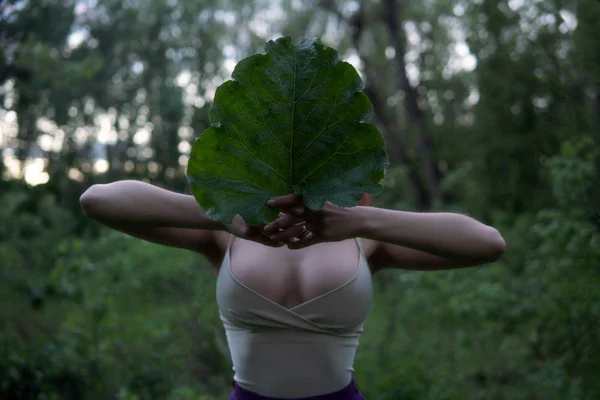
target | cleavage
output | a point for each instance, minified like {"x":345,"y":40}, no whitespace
{"x":292,"y":278}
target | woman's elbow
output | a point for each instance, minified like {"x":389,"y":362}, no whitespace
{"x":90,"y":201}
{"x":497,"y":245}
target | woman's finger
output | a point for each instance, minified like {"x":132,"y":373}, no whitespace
{"x":297,"y":211}
{"x":315,"y":227}
{"x":304,"y":241}
{"x":286,"y":201}
{"x":287,"y":235}
{"x":261,"y":238}
{"x":283,"y":222}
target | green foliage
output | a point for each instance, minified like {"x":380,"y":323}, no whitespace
{"x":40,"y":371}
{"x":90,"y":314}
{"x":104,"y":315}
{"x":293,"y":121}
{"x":140,"y":321}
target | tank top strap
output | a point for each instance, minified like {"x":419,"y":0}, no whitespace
{"x":231,"y":239}
{"x":359,"y":246}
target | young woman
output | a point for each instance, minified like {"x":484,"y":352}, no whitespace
{"x":293,"y":295}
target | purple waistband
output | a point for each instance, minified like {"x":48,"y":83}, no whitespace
{"x":350,"y":392}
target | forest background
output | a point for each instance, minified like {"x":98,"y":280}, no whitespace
{"x":489,"y":108}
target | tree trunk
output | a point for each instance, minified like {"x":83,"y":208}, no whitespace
{"x":425,"y":145}
{"x":395,"y":145}
{"x":397,"y":150}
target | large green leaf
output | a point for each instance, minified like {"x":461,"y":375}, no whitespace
{"x":293,"y":120}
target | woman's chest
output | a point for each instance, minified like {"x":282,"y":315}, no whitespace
{"x":293,"y":277}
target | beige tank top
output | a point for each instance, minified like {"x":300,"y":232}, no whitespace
{"x":303,"y":351}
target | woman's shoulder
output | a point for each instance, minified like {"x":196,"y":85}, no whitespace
{"x":222,"y":239}
{"x":369,"y":246}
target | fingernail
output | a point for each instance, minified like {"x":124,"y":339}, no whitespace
{"x":298,"y":210}
{"x":270,"y":202}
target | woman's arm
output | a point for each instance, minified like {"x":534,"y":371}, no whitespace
{"x":427,"y":240}
{"x":136,"y":204}
{"x":153,"y":214}
{"x":424,"y":241}
{"x":160,"y":216}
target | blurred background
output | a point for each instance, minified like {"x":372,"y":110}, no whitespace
{"x":490,"y":108}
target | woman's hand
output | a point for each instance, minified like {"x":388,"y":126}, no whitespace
{"x":299,"y":227}
{"x":241,"y":229}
